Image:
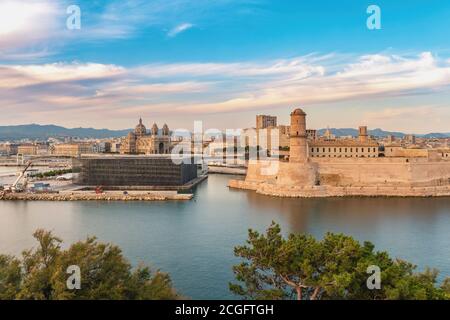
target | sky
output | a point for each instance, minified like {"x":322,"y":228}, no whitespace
{"x":224,"y":61}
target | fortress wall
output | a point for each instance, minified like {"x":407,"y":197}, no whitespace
{"x":338,"y":172}
{"x":262,"y":171}
{"x":364,"y":173}
{"x":327,"y":191}
{"x":383,"y":171}
{"x":297,"y":174}
{"x":282,"y":173}
{"x":330,"y":191}
{"x":432,"y":173}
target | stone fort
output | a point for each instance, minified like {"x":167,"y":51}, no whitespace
{"x":308,"y":175}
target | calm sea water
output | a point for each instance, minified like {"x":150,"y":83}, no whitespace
{"x":194,"y":240}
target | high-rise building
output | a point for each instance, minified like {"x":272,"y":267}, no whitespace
{"x":311,"y":134}
{"x":265,"y":121}
{"x":410,"y":138}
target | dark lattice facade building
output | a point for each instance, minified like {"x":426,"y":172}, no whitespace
{"x":133,"y":171}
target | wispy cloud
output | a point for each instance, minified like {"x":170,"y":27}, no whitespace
{"x":95,"y":91}
{"x":25,"y":25}
{"x":34,"y":28}
{"x":179,"y":29}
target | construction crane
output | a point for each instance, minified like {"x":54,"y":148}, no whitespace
{"x":14,"y":187}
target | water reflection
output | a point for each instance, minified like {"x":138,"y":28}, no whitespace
{"x":194,"y":240}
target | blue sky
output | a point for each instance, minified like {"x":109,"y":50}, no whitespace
{"x":224,"y":61}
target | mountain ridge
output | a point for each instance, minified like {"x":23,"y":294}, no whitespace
{"x":43,"y":132}
{"x":378,"y":132}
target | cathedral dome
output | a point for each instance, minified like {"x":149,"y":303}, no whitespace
{"x":140,"y":129}
{"x":298,"y":112}
{"x":155,"y":129}
{"x":165,"y":130}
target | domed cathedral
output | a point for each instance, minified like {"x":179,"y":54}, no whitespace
{"x":140,"y":141}
{"x":140,"y":129}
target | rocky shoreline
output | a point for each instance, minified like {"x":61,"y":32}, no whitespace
{"x":84,"y":196}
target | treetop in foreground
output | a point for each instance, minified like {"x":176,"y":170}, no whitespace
{"x":41,"y":273}
{"x":335,"y":267}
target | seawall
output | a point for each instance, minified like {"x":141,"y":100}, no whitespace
{"x":90,"y":196}
{"x":332,"y":191}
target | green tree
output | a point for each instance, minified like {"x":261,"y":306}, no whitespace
{"x":10,"y":277}
{"x":335,"y":267}
{"x":105,"y":273}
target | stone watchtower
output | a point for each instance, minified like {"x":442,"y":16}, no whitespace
{"x":363,"y":136}
{"x":298,"y":138}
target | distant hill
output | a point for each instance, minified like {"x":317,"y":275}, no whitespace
{"x":436,"y":135}
{"x":42,"y":132}
{"x":379,"y":133}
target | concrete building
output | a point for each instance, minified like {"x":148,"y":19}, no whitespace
{"x":330,"y":147}
{"x":115,"y":147}
{"x":102,"y":147}
{"x":140,"y":141}
{"x":410,"y":139}
{"x":390,"y":139}
{"x":265,"y":121}
{"x":8,"y":149}
{"x":27,"y":149}
{"x":73,"y":149}
{"x":344,"y":148}
{"x":266,"y":138}
{"x":311,"y":134}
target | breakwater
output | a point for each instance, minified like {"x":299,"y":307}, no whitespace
{"x":332,"y":191}
{"x":89,"y":196}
